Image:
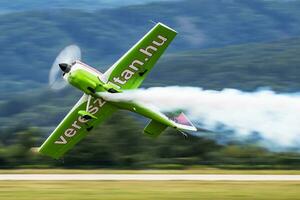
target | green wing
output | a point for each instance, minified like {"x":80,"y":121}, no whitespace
{"x":74,"y":127}
{"x":132,"y":68}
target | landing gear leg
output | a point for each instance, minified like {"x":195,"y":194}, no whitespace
{"x":85,"y":113}
{"x":183,"y":133}
{"x":88,"y":103}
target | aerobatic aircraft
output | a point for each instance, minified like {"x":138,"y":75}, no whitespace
{"x":127,"y":73}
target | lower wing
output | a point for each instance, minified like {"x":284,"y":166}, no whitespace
{"x":75,"y":127}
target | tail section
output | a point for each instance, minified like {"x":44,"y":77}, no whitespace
{"x":180,"y":122}
{"x":183,"y":123}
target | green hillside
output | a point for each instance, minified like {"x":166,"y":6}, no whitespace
{"x":248,"y":67}
{"x":30,"y":40}
{"x":221,"y":44}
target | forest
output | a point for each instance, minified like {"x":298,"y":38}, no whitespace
{"x":246,"y":45}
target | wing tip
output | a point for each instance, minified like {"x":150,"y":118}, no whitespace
{"x":35,"y":150}
{"x":162,"y":24}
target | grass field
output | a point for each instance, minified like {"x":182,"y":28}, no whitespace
{"x":121,"y":190}
{"x":110,"y":171}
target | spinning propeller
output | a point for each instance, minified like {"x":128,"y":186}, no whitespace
{"x":61,"y":65}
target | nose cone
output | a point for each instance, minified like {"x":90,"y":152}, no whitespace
{"x":65,"y":67}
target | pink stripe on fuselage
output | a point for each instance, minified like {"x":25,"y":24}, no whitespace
{"x":89,"y":67}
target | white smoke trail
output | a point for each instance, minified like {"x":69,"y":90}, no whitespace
{"x":271,"y":117}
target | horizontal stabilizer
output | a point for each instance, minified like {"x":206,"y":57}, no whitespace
{"x":154,"y":128}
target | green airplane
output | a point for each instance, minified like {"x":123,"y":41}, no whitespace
{"x":127,"y":73}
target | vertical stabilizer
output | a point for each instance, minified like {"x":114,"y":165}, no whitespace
{"x":183,"y":123}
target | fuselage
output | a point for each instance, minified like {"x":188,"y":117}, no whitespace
{"x":85,"y":78}
{"x":92,"y":82}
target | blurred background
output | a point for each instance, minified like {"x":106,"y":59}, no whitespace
{"x":238,"y":44}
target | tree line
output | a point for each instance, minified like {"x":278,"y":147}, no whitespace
{"x":119,"y":143}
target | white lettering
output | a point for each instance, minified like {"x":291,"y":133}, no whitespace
{"x":132,"y":65}
{"x":136,"y":64}
{"x":100,"y":102}
{"x":70,"y":132}
{"x":117,"y":80}
{"x":75,"y":125}
{"x":147,"y":50}
{"x":127,"y":74}
{"x":163,"y":39}
{"x":61,"y":141}
{"x":93,"y":110}
{"x":82,"y":120}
